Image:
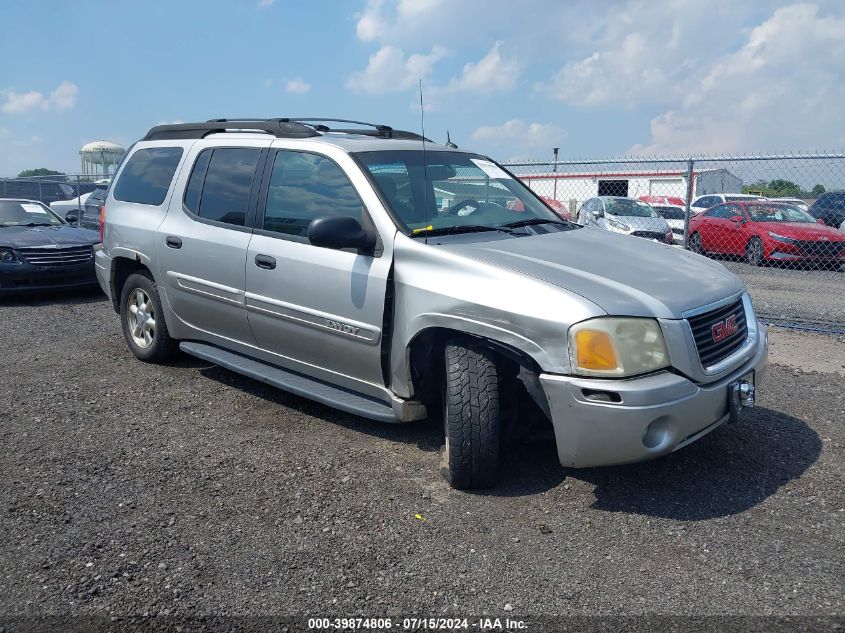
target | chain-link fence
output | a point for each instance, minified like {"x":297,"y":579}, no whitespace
{"x":79,"y":195}
{"x":777,"y":221}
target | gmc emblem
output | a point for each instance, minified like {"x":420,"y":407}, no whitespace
{"x":723,"y":329}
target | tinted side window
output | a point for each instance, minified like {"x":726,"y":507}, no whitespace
{"x":194,"y":188}
{"x":147,"y":175}
{"x":306,"y":186}
{"x":228,"y":182}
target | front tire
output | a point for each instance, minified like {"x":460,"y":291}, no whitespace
{"x":471,"y":416}
{"x":695,"y":244}
{"x":754,"y":252}
{"x":142,"y":320}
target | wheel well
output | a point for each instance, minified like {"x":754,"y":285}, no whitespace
{"x":122,"y":267}
{"x":425,"y":358}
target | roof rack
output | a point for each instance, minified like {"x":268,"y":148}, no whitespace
{"x":379,"y":130}
{"x":278,"y":127}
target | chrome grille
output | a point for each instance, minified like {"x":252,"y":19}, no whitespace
{"x":711,"y":352}
{"x":61,"y":256}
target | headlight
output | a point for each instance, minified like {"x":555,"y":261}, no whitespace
{"x":782,"y":238}
{"x":618,"y":225}
{"x":7,"y":256}
{"x":615,"y":347}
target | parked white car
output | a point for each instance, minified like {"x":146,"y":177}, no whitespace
{"x":702,"y":203}
{"x":625,"y":215}
{"x":61,"y":207}
{"x":674,"y":216}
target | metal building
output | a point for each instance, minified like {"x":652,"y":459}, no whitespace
{"x":572,"y":189}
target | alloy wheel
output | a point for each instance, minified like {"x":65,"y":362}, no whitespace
{"x":141,"y":316}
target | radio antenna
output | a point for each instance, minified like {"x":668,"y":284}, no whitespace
{"x":425,"y":163}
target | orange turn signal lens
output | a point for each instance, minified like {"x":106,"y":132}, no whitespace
{"x":595,"y":350}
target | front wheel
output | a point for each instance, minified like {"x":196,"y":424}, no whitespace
{"x":695,"y":244}
{"x":142,"y":320}
{"x":471,"y":416}
{"x":754,"y":252}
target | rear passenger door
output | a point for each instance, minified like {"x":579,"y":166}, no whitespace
{"x":319,"y":310}
{"x":203,"y":241}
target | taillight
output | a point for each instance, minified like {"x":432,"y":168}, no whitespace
{"x":102,"y":221}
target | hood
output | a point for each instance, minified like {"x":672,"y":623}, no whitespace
{"x":804,"y":230}
{"x":639,"y":223}
{"x":61,"y":235}
{"x":623,"y":275}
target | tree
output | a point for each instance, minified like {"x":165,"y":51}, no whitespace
{"x":817,"y":191}
{"x":781,"y":187}
{"x":41,"y":171}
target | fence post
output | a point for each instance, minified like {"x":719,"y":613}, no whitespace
{"x":688,"y":200}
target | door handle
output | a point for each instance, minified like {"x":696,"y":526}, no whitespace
{"x":173,"y":242}
{"x":265,"y":261}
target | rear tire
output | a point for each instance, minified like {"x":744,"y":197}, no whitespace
{"x":471,"y":417}
{"x":754,"y":252}
{"x":142,"y":320}
{"x":695,"y":244}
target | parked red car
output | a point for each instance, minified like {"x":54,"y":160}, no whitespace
{"x":556,"y":205}
{"x":672,"y":200}
{"x":764,"y":232}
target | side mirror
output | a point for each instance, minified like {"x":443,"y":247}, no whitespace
{"x":737,"y":218}
{"x":340,"y":231}
{"x":72,"y":217}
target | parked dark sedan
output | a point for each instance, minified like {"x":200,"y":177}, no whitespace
{"x":40,"y":251}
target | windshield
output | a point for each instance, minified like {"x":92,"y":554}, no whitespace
{"x":778,"y":213}
{"x":15,"y":213}
{"x":669,"y":212}
{"x":462,"y":190}
{"x":629,"y":208}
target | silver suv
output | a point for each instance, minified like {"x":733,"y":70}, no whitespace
{"x":397,"y":279}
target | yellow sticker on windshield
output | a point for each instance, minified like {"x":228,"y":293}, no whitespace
{"x":424,"y":228}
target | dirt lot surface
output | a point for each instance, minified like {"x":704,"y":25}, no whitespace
{"x":133,"y":489}
{"x":784,"y":293}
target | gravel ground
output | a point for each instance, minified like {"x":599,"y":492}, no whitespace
{"x":186,"y":489}
{"x":784,"y":293}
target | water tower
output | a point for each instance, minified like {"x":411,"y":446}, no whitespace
{"x":100,"y":158}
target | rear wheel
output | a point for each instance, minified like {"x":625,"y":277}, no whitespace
{"x":754,"y":252}
{"x":695,"y":244}
{"x":471,"y":416}
{"x":142,"y":319}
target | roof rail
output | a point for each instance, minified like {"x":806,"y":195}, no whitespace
{"x":380,"y":130}
{"x":280,"y":128}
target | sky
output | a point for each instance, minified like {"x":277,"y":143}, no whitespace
{"x":508,"y":78}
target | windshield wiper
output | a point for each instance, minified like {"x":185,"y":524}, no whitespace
{"x":38,"y":224}
{"x":532,"y":221}
{"x":459,"y":228}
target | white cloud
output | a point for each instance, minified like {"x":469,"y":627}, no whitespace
{"x":492,"y":73}
{"x":781,"y":90}
{"x":297,"y":86}
{"x":16,"y":102}
{"x":374,"y":25}
{"x":389,"y":70}
{"x":62,"y":98}
{"x":517,"y":135}
{"x":263,"y":4}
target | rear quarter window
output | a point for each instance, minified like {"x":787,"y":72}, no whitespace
{"x":147,"y":175}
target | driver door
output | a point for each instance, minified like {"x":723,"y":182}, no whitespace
{"x":320,"y":311}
